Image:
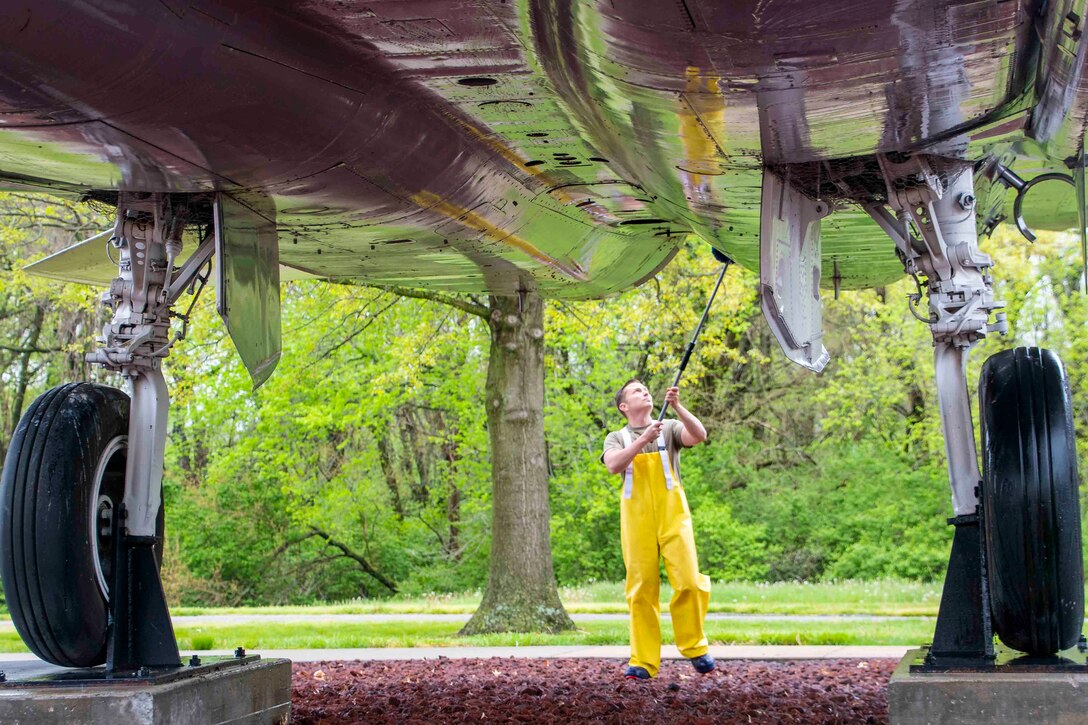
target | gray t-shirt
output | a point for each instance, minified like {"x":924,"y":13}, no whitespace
{"x":673,"y":443}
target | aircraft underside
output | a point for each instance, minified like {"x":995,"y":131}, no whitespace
{"x":565,"y":146}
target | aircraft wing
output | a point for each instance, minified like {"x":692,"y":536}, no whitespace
{"x":461,"y":144}
{"x":485,"y":145}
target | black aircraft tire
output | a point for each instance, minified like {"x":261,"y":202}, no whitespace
{"x":1030,"y":501}
{"x":65,"y":463}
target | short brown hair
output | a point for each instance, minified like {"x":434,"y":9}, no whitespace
{"x":619,"y":393}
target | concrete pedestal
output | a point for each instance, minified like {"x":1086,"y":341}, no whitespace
{"x":252,"y":693}
{"x":1000,"y":696}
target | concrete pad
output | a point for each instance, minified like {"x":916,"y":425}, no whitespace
{"x":254,"y":693}
{"x":983,"y":698}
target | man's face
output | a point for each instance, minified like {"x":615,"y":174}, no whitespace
{"x":636,"y":399}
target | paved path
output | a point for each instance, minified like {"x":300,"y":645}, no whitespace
{"x":721,"y":652}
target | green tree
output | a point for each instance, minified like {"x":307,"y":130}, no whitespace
{"x":42,"y":328}
{"x":521,"y":594}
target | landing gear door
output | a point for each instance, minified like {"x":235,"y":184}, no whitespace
{"x":789,"y":270}
{"x":247,"y":281}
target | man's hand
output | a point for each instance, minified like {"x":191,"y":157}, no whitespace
{"x":693,"y":431}
{"x":672,"y":396}
{"x":617,"y":459}
{"x":650,"y":434}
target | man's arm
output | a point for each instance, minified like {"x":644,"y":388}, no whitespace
{"x":618,"y":459}
{"x":693,"y":432}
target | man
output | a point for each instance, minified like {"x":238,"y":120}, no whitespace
{"x":655,"y":522}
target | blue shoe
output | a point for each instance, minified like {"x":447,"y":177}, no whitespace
{"x":702,"y":663}
{"x":640,"y":673}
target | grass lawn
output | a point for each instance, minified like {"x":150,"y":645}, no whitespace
{"x":885,"y":597}
{"x":444,"y":634}
{"x":322,"y":635}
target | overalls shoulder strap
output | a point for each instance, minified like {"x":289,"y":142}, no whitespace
{"x":662,"y":450}
{"x":628,"y":475}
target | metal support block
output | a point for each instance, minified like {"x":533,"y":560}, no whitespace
{"x":141,"y":632}
{"x":963,"y":634}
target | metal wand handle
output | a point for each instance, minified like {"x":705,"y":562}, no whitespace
{"x":691,"y":345}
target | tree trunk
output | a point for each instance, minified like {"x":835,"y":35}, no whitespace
{"x":22,"y":377}
{"x":521,"y":594}
{"x":453,"y":498}
{"x":416,"y":453}
{"x":392,"y":480}
{"x":453,"y":516}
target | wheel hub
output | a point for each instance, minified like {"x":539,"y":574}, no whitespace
{"x":108,"y":492}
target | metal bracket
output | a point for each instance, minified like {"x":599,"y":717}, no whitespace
{"x":187,"y":274}
{"x":897,"y":229}
{"x":147,"y":235}
{"x":913,"y":189}
{"x":1076,"y":179}
{"x":1012,"y":180}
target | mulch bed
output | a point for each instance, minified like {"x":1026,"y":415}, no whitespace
{"x":568,"y":690}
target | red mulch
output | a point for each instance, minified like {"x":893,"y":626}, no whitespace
{"x":568,"y":690}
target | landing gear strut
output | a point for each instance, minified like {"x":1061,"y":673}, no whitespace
{"x":81,"y":494}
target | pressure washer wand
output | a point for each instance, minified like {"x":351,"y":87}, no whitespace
{"x":691,"y":345}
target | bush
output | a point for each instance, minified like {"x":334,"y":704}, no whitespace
{"x":728,"y":549}
{"x":796,"y":565}
{"x":586,"y":545}
{"x":444,"y":576}
{"x":918,"y":554}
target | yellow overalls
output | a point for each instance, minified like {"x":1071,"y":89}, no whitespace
{"x":655,"y":522}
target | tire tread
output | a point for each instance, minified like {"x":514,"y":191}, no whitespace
{"x":59,"y":619}
{"x":1030,"y":501}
